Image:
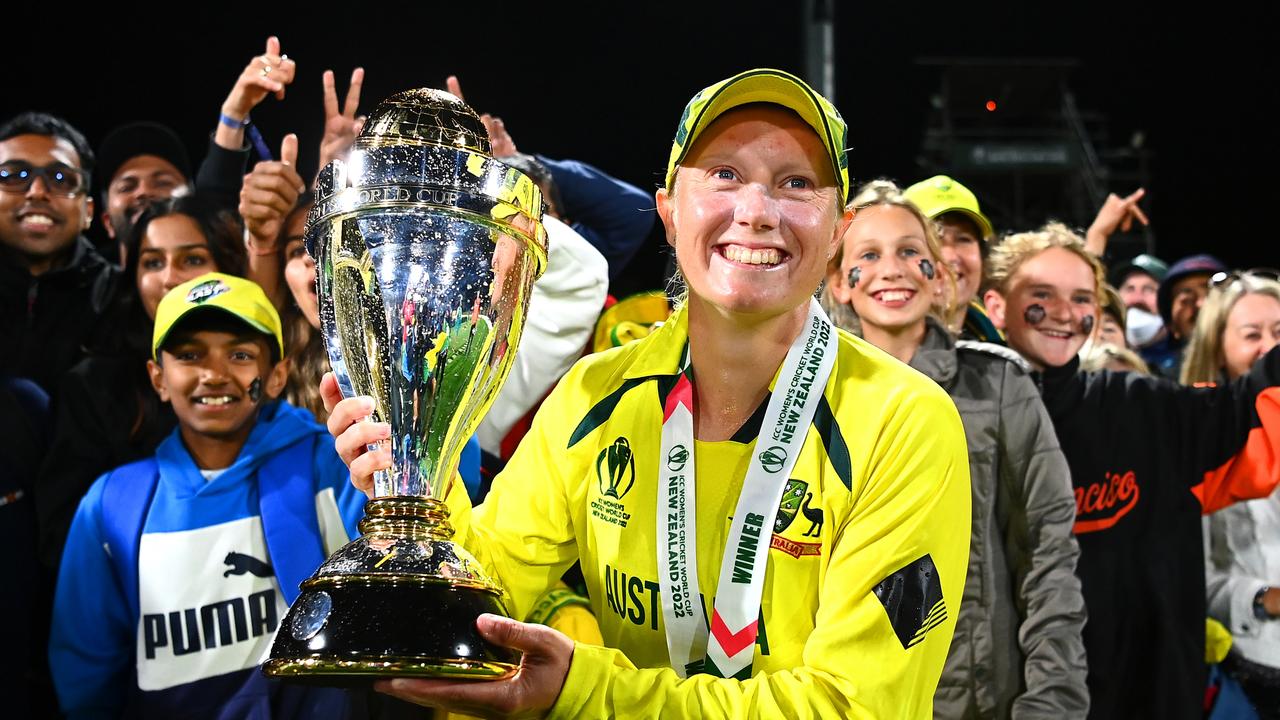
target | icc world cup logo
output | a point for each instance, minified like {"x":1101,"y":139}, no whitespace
{"x":677,"y":458}
{"x":773,"y":459}
{"x":616,"y":469}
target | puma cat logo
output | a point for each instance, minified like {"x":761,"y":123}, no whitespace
{"x":238,"y":564}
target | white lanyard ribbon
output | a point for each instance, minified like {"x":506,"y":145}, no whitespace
{"x":730,"y":646}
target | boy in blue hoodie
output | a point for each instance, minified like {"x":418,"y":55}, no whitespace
{"x":179,"y":568}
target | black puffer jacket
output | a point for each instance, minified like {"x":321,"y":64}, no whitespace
{"x":46,"y":320}
{"x":1147,"y":456}
{"x":1017,"y":650}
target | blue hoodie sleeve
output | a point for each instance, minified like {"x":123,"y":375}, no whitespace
{"x":614,"y":216}
{"x":332,"y":473}
{"x":93,"y":638}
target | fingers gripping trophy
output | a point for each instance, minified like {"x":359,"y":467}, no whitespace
{"x":426,"y":250}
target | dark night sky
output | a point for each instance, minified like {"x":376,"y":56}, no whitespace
{"x":606,"y":83}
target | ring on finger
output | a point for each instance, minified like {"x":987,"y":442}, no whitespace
{"x":266,"y":70}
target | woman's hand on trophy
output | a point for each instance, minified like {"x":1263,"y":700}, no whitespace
{"x":354,"y":433}
{"x":341,"y":126}
{"x":531,"y":692}
{"x":268,"y":195}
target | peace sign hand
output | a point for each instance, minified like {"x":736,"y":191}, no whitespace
{"x":340,"y":126}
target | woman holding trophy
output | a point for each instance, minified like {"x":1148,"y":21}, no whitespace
{"x":772,"y":516}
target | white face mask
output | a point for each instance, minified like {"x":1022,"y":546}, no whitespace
{"x":1142,"y":327}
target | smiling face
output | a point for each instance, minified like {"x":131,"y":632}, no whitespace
{"x":172,"y":251}
{"x":1253,"y":328}
{"x":753,"y":215}
{"x":1049,"y":308}
{"x":961,"y":243}
{"x":884,"y":249}
{"x":139,"y":181}
{"x":216,"y":380}
{"x":39,"y":226}
{"x":300,"y":269}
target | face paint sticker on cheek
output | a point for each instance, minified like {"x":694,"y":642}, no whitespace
{"x":1034,"y":314}
{"x":926,"y":269}
{"x":855,"y":275}
{"x":255,"y":389}
{"x":1086,"y":324}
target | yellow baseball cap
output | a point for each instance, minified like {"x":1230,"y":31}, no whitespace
{"x":940,"y":194}
{"x":764,"y":85}
{"x":240,"y":298}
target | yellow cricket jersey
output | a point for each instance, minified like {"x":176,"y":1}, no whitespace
{"x":866,"y":565}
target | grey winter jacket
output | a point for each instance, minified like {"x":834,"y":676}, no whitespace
{"x":1017,"y":650}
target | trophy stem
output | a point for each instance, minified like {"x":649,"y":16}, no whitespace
{"x":400,"y":600}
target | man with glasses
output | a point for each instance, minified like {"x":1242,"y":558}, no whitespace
{"x":53,"y":285}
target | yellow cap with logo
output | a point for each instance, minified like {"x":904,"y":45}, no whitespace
{"x":764,"y":85}
{"x":940,"y":194}
{"x":240,"y":298}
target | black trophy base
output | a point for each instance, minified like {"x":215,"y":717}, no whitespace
{"x":349,"y":632}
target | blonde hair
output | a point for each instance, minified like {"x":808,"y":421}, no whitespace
{"x":1097,"y":357}
{"x":1204,"y":359}
{"x":886,"y":192}
{"x":1014,"y":250}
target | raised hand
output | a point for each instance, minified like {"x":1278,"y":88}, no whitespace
{"x":268,"y":73}
{"x":531,"y":692}
{"x":340,"y":126}
{"x":455,"y":89}
{"x":268,"y":195}
{"x":1117,"y":213}
{"x":500,"y":140}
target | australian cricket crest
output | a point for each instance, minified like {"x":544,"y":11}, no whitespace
{"x":795,"y":500}
{"x":792,"y":496}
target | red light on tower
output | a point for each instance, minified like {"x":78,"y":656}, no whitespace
{"x":991,"y":106}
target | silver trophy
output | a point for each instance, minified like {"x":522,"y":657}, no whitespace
{"x":426,"y":251}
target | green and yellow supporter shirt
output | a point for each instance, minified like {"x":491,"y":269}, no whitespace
{"x":866,"y":563}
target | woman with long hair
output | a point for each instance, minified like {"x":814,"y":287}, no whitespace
{"x":1017,"y":647}
{"x":785,"y":527}
{"x":1238,"y":324}
{"x":108,"y":414}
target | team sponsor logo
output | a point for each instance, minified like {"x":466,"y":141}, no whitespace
{"x":216,"y":624}
{"x":912,"y":598}
{"x":239,"y":564}
{"x":677,"y":458}
{"x":1101,"y":505}
{"x":206,"y":291}
{"x":773,"y":459}
{"x":615,"y":474}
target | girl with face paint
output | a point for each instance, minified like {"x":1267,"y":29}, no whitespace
{"x":885,"y":273}
{"x":1136,"y":445}
{"x":884,"y":284}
